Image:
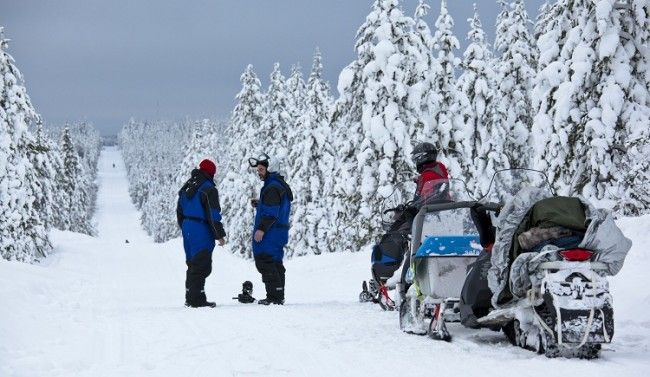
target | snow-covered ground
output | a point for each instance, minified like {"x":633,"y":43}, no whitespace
{"x":105,"y":307}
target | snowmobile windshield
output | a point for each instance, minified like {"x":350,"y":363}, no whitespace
{"x":442,"y":190}
{"x":395,"y":200}
{"x":505,"y":184}
{"x":407,"y":195}
{"x":453,"y":224}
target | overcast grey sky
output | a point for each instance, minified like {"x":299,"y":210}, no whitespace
{"x":108,"y":60}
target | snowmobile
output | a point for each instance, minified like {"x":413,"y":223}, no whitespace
{"x":546,"y":275}
{"x":445,"y":241}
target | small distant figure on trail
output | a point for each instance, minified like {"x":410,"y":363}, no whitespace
{"x":199,"y":216}
{"x":113,"y":165}
{"x":271,"y":229}
{"x":126,"y":241}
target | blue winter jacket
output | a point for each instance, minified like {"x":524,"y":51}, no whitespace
{"x":272,"y":217}
{"x":199,"y":214}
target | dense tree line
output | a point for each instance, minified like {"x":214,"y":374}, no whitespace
{"x":569,"y":96}
{"x":46,"y":179}
{"x":159,"y":155}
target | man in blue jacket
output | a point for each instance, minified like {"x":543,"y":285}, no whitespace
{"x":199,"y":216}
{"x":271,"y":230}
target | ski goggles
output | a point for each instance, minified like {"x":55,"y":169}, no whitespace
{"x":263,"y":159}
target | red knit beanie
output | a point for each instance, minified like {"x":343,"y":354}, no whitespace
{"x":208,"y":167}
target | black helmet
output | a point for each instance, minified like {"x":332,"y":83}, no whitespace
{"x":424,"y":153}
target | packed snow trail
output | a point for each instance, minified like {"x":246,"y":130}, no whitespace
{"x":104,"y":307}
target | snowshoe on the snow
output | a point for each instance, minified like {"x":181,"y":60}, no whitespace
{"x":246,"y":296}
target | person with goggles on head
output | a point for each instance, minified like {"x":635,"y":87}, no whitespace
{"x":271,"y":229}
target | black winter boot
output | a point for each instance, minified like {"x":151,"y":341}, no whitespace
{"x":269,"y":301}
{"x":203,"y":304}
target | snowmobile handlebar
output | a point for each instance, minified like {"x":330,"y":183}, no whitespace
{"x":488,"y":206}
{"x":399,"y":208}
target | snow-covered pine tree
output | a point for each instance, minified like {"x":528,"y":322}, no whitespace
{"x":634,"y":174}
{"x":277,"y":122}
{"x":87,"y":142}
{"x":153,"y":152}
{"x":73,"y":183}
{"x":239,"y":184}
{"x":421,"y":90}
{"x":591,"y":98}
{"x":159,"y":211}
{"x":346,"y":137}
{"x":447,"y":120}
{"x":202,"y":145}
{"x":313,"y":163}
{"x":131,"y":133}
{"x":47,"y":161}
{"x":515,"y":70}
{"x":23,"y":235}
{"x":503,"y":23}
{"x":541,"y":21}
{"x":476,"y":85}
{"x":376,"y":152}
{"x":296,"y":92}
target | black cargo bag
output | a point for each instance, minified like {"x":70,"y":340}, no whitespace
{"x":387,"y":255}
{"x":476,"y":296}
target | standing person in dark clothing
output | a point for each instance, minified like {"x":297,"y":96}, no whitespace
{"x":271,"y":229}
{"x":199,"y":216}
